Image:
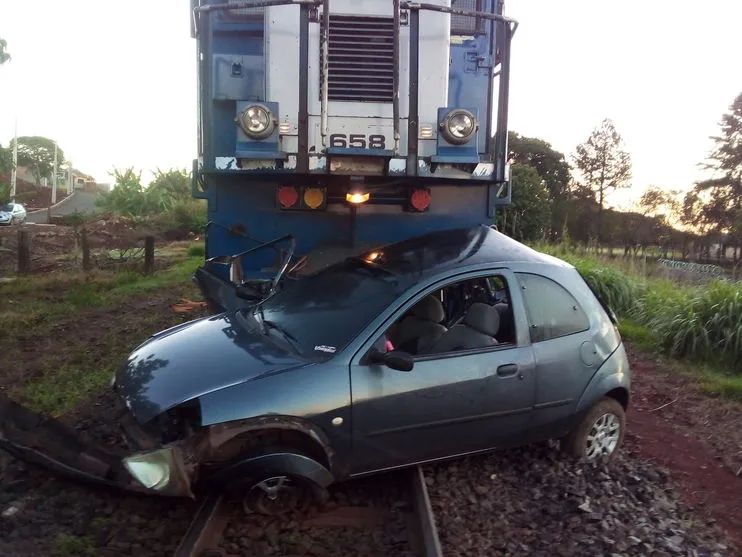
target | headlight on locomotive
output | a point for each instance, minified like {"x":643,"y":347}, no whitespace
{"x":257,"y":121}
{"x":458,"y":126}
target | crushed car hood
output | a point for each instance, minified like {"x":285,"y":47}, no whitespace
{"x":196,"y":358}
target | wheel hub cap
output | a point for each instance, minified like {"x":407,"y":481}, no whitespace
{"x":275,"y":495}
{"x":603,"y":437}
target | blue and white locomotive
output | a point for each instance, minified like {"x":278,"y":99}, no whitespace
{"x":333,"y":125}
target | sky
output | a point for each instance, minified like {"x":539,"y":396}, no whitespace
{"x":115,"y":82}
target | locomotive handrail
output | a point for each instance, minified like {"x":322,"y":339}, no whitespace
{"x":271,"y":243}
{"x":457,"y":11}
{"x":255,"y":4}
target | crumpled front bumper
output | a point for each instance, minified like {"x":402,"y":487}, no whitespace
{"x":46,"y":442}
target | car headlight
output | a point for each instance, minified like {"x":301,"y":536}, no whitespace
{"x":151,"y":469}
{"x":458,"y":126}
{"x":257,"y":121}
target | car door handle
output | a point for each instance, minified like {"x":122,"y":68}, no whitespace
{"x":507,"y":370}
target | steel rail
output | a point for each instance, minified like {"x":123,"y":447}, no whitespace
{"x":207,"y":527}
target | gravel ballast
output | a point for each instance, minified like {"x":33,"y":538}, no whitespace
{"x":534,"y":501}
{"x":364,"y":518}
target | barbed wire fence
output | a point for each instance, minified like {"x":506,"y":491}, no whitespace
{"x":692,"y":272}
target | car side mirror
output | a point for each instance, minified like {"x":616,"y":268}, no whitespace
{"x":396,"y":359}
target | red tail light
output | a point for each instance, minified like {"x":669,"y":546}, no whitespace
{"x":420,"y":199}
{"x":288,"y":196}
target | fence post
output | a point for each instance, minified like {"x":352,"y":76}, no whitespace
{"x":149,"y":255}
{"x":85,"y":246}
{"x":24,"y":252}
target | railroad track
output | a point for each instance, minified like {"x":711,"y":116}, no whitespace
{"x":384,"y":515}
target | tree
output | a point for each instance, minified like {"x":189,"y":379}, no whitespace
{"x":603,"y":164}
{"x":167,"y":189}
{"x":661,"y":204}
{"x":4,"y":56}
{"x":127,"y":197}
{"x":529,"y":214}
{"x":722,"y":208}
{"x":6,"y":161}
{"x":553,"y":169}
{"x":37,"y":154}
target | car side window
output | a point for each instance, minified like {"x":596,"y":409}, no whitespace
{"x":551,"y":310}
{"x":466,"y":315}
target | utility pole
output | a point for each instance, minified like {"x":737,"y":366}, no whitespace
{"x":14,"y":172}
{"x":54,"y":176}
{"x":69,"y":178}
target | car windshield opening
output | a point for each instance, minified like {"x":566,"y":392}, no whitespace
{"x":324,"y":311}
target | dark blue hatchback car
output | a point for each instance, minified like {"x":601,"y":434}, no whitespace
{"x":440,"y":346}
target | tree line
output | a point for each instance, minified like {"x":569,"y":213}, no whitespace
{"x":556,"y":199}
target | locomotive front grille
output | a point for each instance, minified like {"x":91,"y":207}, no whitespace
{"x":361,"y":59}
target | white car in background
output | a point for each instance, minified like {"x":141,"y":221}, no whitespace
{"x":12,"y":213}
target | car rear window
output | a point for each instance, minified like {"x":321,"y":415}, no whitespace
{"x":552,"y":311}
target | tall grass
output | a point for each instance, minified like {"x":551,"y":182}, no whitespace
{"x":701,"y":323}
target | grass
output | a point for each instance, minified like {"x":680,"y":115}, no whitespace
{"x":36,"y":309}
{"x":197,"y":251}
{"x":60,"y":389}
{"x":698,"y":326}
{"x":35,"y":301}
{"x":74,"y":546}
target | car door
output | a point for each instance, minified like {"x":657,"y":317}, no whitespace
{"x":448,"y":404}
{"x":563,"y":348}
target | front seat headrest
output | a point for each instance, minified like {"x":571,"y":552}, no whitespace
{"x":483,"y":318}
{"x":430,"y":309}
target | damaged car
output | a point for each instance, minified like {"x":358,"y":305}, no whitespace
{"x":441,"y":346}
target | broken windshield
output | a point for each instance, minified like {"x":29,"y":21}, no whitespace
{"x":323,"y":312}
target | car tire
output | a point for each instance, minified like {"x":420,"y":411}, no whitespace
{"x":255,"y":498}
{"x":599,"y":434}
{"x":276,"y":495}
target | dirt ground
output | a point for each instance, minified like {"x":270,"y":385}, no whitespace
{"x":697,"y":438}
{"x":55,"y":248}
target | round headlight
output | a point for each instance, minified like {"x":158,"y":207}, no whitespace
{"x":257,"y":121}
{"x":459,"y":126}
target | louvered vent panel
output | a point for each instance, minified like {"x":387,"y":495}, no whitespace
{"x":361,"y":61}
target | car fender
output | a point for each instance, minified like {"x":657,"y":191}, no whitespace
{"x":613,"y":374}
{"x":278,"y":463}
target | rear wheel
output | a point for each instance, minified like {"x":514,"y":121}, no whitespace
{"x":599,"y":434}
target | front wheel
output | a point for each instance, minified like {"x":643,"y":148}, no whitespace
{"x":599,"y":434}
{"x":277,"y":495}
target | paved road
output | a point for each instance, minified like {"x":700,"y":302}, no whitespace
{"x":81,"y":201}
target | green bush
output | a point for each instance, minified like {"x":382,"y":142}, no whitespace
{"x":197,"y":251}
{"x":190,"y":214}
{"x":698,"y":323}
{"x":166,"y":201}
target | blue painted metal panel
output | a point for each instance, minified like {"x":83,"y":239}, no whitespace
{"x":468,"y":81}
{"x":252,"y":206}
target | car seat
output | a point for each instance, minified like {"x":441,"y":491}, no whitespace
{"x":419,"y":330}
{"x":477,"y":330}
